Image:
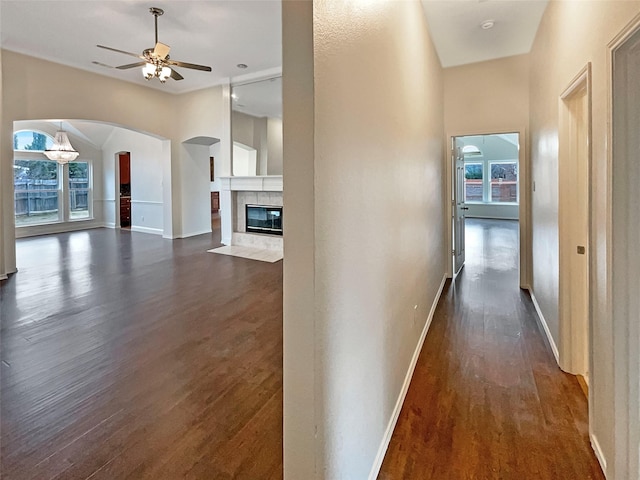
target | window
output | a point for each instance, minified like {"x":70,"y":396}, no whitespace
{"x":491,"y":181}
{"x":30,"y":141}
{"x":36,"y":191}
{"x":504,"y":182}
{"x":78,"y":190}
{"x":46,"y":192}
{"x":473,"y":187}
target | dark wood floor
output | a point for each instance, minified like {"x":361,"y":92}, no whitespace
{"x":487,"y":400}
{"x":128,"y":356}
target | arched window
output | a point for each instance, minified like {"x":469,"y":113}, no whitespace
{"x":40,"y":184}
{"x":471,"y":150}
{"x":31,"y":141}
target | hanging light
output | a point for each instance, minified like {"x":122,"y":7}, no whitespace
{"x":61,"y":151}
{"x":150,"y":70}
{"x":165,"y":73}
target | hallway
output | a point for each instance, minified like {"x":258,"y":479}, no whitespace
{"x":487,"y":400}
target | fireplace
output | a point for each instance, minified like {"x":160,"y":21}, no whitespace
{"x":264,"y":219}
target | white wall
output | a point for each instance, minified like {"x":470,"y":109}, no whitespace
{"x":570,"y":35}
{"x":492,"y":97}
{"x":274,"y":142}
{"x":204,"y":113}
{"x":375,"y":148}
{"x":34,"y":88}
{"x":196,"y":179}
{"x":147,"y":158}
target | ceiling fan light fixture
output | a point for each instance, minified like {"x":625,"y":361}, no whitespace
{"x":148,"y":71}
{"x":61,"y":151}
{"x":163,"y":74}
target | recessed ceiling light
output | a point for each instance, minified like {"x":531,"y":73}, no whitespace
{"x":242,"y":65}
{"x":487,"y":24}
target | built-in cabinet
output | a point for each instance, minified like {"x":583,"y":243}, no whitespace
{"x":125,"y":211}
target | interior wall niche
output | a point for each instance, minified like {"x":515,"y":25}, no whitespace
{"x":256,"y":128}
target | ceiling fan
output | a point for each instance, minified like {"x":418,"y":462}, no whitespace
{"x":156,"y":61}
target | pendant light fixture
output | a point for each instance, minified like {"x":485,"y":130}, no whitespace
{"x":61,"y":151}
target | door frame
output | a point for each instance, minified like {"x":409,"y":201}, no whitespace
{"x":524,"y":208}
{"x":626,"y":353}
{"x":570,"y":349}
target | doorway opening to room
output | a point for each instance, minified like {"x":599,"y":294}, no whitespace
{"x":124,"y":163}
{"x":486,"y":202}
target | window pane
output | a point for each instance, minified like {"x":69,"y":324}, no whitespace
{"x":504,"y":182}
{"x":36,"y":191}
{"x":78,"y":190}
{"x":473,"y":182}
{"x":26,"y":140}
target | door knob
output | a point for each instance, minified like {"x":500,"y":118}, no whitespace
{"x":464,"y":208}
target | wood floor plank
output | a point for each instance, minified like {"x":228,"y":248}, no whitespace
{"x":487,"y":400}
{"x":129,"y":356}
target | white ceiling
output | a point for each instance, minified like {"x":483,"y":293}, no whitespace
{"x":459,"y":39}
{"x":218,"y":33}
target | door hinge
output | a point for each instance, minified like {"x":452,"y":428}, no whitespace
{"x":453,"y":252}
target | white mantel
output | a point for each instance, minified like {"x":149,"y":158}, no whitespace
{"x":228,"y":187}
{"x":265,"y":183}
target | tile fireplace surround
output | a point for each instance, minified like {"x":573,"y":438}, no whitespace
{"x":235,"y":194}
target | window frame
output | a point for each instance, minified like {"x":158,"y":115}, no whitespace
{"x":475,"y":161}
{"x":64,"y":200}
{"x":490,"y":192}
{"x":486,"y":179}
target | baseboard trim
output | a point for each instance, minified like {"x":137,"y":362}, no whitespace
{"x":193,"y":234}
{"x":554,"y":347}
{"x":599,"y":455}
{"x":375,"y":470}
{"x":153,"y":231}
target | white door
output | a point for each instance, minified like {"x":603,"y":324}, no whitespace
{"x":459,"y":207}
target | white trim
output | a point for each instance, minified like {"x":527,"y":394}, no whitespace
{"x":193,"y":234}
{"x":552,"y":342}
{"x":154,"y":231}
{"x":382,"y":450}
{"x":109,"y":225}
{"x":55,"y":228}
{"x":147,"y":202}
{"x":263,"y":183}
{"x":599,"y":455}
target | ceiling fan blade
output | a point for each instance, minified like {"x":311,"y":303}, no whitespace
{"x":120,"y":51}
{"x":175,"y":75}
{"x":100,"y":64}
{"x":131,"y":65}
{"x":161,"y":50}
{"x":189,"y":65}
